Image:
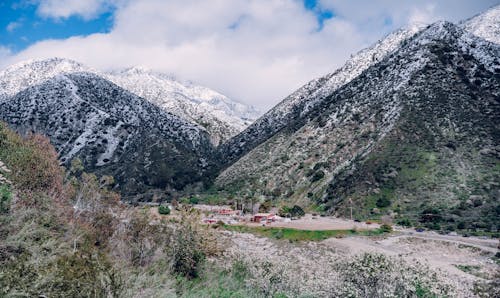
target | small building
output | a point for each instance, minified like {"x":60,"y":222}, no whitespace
{"x":209,"y":220}
{"x":264,"y":217}
{"x":229,"y":212}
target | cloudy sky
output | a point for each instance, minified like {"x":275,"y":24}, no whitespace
{"x":254,"y":51}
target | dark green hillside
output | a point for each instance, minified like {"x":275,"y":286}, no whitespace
{"x":114,"y":132}
{"x":441,"y":159}
{"x":414,"y":138}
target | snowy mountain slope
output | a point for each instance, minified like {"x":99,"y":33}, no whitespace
{"x":311,"y":94}
{"x":485,"y":25}
{"x":219,"y":115}
{"x":33,"y":72}
{"x":418,"y":129}
{"x":222,"y":117}
{"x":114,"y":132}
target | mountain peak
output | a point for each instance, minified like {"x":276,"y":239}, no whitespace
{"x":20,"y":76}
{"x":485,"y":25}
{"x":219,"y":115}
{"x":431,"y":94}
{"x":313,"y":93}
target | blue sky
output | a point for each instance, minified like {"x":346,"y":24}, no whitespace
{"x":321,"y":13}
{"x":22,"y":26}
{"x":254,"y":51}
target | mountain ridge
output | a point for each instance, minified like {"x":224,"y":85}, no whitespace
{"x":219,"y":115}
{"x":326,"y":155}
{"x":114,"y":132}
{"x":222,"y":117}
{"x":485,"y":25}
{"x":311,"y":94}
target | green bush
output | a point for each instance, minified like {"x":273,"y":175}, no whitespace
{"x":265,"y":206}
{"x":164,"y":210}
{"x":431,"y":215}
{"x":188,"y":256}
{"x":405,"y":222}
{"x":5,"y":197}
{"x":318,"y":176}
{"x":284,"y":211}
{"x":297,"y":211}
{"x":386,"y":228}
{"x":383,"y":202}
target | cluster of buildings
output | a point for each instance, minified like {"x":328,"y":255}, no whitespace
{"x":227,"y":215}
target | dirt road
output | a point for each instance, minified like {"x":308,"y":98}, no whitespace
{"x":442,"y":252}
{"x":319,"y":223}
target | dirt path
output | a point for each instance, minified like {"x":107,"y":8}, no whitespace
{"x":318,"y":223}
{"x":438,"y":251}
{"x":486,"y":244}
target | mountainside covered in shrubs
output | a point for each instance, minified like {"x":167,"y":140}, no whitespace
{"x":113,"y":132}
{"x":414,"y":136}
{"x":64,"y":234}
{"x":297,"y":104}
{"x":220,"y":116}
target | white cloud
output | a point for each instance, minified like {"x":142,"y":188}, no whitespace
{"x":255,"y":51}
{"x":13,"y":26}
{"x":5,"y":54}
{"x":425,"y":14}
{"x":87,"y":9}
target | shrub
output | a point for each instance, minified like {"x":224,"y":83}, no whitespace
{"x":284,"y":211}
{"x":33,"y":162}
{"x":163,"y":210}
{"x":5,"y":197}
{"x":430,"y":215}
{"x":433,"y":225}
{"x":383,"y":202}
{"x":385,"y":228}
{"x":318,"y":176}
{"x":405,"y":222}
{"x":376,"y":275}
{"x":188,"y":255}
{"x":84,"y":272}
{"x":265,"y":206}
{"x":297,"y":211}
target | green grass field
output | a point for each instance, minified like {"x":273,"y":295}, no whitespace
{"x":300,"y":235}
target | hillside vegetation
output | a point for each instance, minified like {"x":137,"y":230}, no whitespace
{"x":413,"y":138}
{"x":64,"y":234}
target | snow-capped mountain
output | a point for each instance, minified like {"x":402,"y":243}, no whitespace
{"x":22,"y":75}
{"x":313,"y":93}
{"x":113,"y":131}
{"x":485,"y":25}
{"x":221,"y":117}
{"x":416,"y":129}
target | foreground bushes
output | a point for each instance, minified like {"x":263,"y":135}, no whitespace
{"x":69,"y":235}
{"x":32,"y":161}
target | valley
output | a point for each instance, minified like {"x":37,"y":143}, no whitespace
{"x":378,"y":179}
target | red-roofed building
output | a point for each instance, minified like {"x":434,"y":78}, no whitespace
{"x":264,"y":217}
